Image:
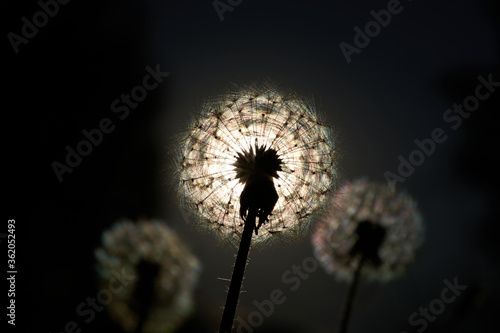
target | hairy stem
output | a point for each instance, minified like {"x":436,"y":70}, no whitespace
{"x":238,"y":272}
{"x":353,"y":288}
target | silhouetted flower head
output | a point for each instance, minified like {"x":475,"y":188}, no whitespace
{"x":149,"y":272}
{"x":371,"y":220}
{"x":269,"y":149}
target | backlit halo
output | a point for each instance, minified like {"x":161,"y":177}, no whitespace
{"x":234,"y":125}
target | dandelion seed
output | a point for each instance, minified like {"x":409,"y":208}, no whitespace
{"x":162,"y":271}
{"x":221,"y":146}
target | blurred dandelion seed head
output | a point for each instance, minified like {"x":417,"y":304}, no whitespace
{"x":397,"y":228}
{"x":297,"y":151}
{"x":126,"y":247}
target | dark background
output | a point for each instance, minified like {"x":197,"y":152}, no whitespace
{"x":395,"y":91}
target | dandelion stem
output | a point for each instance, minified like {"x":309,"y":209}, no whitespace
{"x":238,"y":272}
{"x":353,"y":288}
{"x":144,"y":292}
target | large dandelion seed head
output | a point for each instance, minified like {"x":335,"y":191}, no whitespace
{"x":362,"y":211}
{"x":149,"y":248}
{"x":256,"y":131}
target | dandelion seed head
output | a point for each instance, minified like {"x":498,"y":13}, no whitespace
{"x":360,"y":205}
{"x":129,"y":247}
{"x":225,"y":133}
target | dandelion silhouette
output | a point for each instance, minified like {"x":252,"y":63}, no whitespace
{"x":255,"y":154}
{"x":369,"y":230}
{"x":158,"y":296}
